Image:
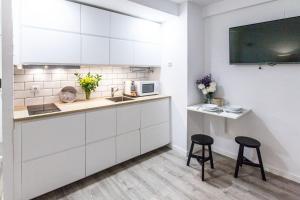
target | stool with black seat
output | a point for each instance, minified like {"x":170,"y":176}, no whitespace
{"x":242,"y":160}
{"x":203,"y":140}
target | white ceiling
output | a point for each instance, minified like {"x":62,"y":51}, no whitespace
{"x":201,"y":2}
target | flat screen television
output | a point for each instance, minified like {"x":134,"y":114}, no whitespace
{"x":274,"y":42}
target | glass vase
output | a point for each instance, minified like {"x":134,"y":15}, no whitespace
{"x":87,"y":95}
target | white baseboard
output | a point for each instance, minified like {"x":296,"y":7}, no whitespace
{"x":268,"y":168}
{"x":180,"y":150}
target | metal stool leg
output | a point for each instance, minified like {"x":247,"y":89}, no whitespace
{"x":238,"y":162}
{"x":202,"y":163}
{"x":211,"y":157}
{"x":261,"y":165}
{"x":190,"y":154}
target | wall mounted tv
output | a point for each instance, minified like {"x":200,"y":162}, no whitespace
{"x":274,"y":42}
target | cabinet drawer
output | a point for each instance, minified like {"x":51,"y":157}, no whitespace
{"x":100,"y":155}
{"x":100,"y":124}
{"x":48,"y":173}
{"x":154,"y":137}
{"x":52,"y":135}
{"x":128,"y":118}
{"x":155,"y":112}
{"x":128,"y":146}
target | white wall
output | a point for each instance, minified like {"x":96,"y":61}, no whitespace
{"x":174,"y":79}
{"x":272,"y":93}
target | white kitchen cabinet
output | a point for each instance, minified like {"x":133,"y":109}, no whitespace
{"x":128,"y":118}
{"x":147,"y":31}
{"x":121,"y":52}
{"x":51,"y":172}
{"x":100,"y":124}
{"x":94,"y":50}
{"x":128,"y":146}
{"x":95,"y":21}
{"x":51,"y":135}
{"x":154,"y":137}
{"x":122,"y":26}
{"x":146,"y":54}
{"x":58,"y":15}
{"x":154,"y":112}
{"x":100,"y":155}
{"x":45,"y":46}
{"x":132,"y":28}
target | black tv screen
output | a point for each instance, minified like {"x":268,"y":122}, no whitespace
{"x":271,"y":42}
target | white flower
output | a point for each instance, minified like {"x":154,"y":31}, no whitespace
{"x":201,"y":86}
{"x":204,"y":91}
{"x":213,"y":84}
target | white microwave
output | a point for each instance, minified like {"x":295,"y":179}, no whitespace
{"x":143,"y":88}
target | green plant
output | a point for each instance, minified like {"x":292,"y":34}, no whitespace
{"x":88,"y":83}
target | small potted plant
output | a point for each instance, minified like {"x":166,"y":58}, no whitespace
{"x":208,"y":87}
{"x":88,"y":83}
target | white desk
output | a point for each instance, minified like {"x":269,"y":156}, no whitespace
{"x":197,"y":108}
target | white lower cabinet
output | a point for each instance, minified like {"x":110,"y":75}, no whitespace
{"x":128,"y":146}
{"x":51,"y":172}
{"x":154,"y":137}
{"x":100,"y":155}
{"x":54,"y":151}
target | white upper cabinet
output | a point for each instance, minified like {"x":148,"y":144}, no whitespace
{"x":94,"y":50}
{"x":146,"y":54}
{"x":122,"y":26}
{"x":132,"y":28}
{"x":58,"y":15}
{"x":121,"y":52}
{"x":44,"y":46}
{"x":94,"y":21}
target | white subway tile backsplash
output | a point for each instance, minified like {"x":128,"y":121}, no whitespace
{"x":29,"y":85}
{"x":18,"y":86}
{"x":51,"y":81}
{"x":60,"y":77}
{"x":34,"y":101}
{"x":51,"y":84}
{"x":23,"y":78}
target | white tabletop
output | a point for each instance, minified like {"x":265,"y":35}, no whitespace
{"x":198,"y":108}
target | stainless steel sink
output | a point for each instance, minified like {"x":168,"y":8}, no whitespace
{"x":119,"y":99}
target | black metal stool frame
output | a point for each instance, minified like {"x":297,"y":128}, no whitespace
{"x":242,"y":160}
{"x":201,"y":159}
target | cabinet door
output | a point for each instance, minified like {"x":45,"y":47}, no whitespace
{"x":100,"y":155}
{"x":154,"y":112}
{"x":121,"y":52}
{"x":146,"y":54}
{"x":122,"y":26}
{"x":154,"y":137}
{"x":51,"y":135}
{"x":147,"y":31}
{"x":44,"y":46}
{"x":48,"y":173}
{"x":94,"y":50}
{"x":94,"y":21}
{"x":100,"y":124}
{"x":128,"y":118}
{"x":128,"y":146}
{"x":59,"y":15}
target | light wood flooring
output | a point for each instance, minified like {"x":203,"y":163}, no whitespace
{"x":163,"y":174}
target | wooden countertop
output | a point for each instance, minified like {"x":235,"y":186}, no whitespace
{"x":21,"y":113}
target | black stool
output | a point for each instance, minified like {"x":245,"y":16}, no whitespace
{"x":251,"y":143}
{"x":203,"y":140}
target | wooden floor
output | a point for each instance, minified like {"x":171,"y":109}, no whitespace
{"x":163,"y":174}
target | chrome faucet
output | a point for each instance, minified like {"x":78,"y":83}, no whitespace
{"x":113,"y":91}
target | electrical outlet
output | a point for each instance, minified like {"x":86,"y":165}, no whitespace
{"x":34,"y":88}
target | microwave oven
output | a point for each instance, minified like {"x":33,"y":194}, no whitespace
{"x":142,"y":88}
